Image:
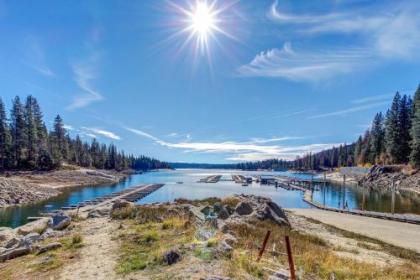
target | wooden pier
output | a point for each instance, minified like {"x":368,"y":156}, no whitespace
{"x":406,"y":218}
{"x":131,"y":194}
{"x":210,"y":179}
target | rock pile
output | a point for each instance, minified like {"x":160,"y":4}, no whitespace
{"x":13,"y":192}
{"x":23,"y":240}
{"x":384,"y":177}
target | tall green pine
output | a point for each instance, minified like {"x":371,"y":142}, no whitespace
{"x":415,"y":130}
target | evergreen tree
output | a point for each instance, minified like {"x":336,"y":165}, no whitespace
{"x":415,"y":130}
{"x":17,"y":128}
{"x":31,"y":132}
{"x":405,"y":113}
{"x":60,"y":137}
{"x":392,"y":131}
{"x":377,"y":135}
{"x":4,"y":138}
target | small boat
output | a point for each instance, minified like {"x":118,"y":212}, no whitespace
{"x":244,"y":185}
{"x":180,"y":182}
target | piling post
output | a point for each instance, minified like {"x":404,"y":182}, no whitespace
{"x":267,"y":235}
{"x":290,"y":258}
{"x":393,"y":197}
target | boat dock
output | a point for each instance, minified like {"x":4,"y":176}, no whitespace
{"x":131,"y":194}
{"x":210,"y":179}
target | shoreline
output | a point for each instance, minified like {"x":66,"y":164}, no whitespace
{"x":27,"y":187}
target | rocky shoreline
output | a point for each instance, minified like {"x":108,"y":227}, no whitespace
{"x":385,"y":177}
{"x":28,"y":187}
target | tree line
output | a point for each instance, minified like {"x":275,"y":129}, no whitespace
{"x":393,"y":138}
{"x":27,"y":144}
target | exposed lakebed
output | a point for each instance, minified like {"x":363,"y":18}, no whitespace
{"x":190,"y":188}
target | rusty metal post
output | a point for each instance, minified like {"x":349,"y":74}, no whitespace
{"x":267,"y":235}
{"x":290,"y":258}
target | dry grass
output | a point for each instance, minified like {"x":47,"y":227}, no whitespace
{"x":231,"y":201}
{"x":314,"y":258}
{"x":43,"y":266}
{"x":143,"y":245}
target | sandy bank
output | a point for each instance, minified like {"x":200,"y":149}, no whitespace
{"x":28,"y":187}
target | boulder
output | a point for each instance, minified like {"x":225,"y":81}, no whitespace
{"x":172,"y":257}
{"x":119,"y":204}
{"x":12,"y":243}
{"x":48,"y":247}
{"x":6,"y":234}
{"x":206,"y":210}
{"x":224,"y":247}
{"x":38,"y":226}
{"x":60,"y":221}
{"x":230,"y":239}
{"x":221,"y":211}
{"x":30,"y":238}
{"x":99,"y":212}
{"x":243,"y":208}
{"x":14,"y":253}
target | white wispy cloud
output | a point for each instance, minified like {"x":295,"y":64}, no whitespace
{"x":85,"y":73}
{"x":102,"y":132}
{"x":35,"y":57}
{"x":302,"y":65}
{"x":249,"y":150}
{"x":386,"y":32}
{"x":350,"y":110}
{"x":68,"y":127}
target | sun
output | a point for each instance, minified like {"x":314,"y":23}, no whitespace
{"x":202,"y":19}
{"x":200,"y":24}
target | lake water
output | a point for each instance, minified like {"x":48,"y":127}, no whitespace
{"x":334,"y":194}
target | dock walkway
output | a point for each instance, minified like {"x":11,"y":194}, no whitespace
{"x":399,"y":234}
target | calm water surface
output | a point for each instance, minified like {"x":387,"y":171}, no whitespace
{"x":334,"y":195}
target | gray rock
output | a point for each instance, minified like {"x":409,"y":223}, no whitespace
{"x":243,"y":208}
{"x":60,"y":221}
{"x":30,"y":238}
{"x":12,"y":243}
{"x":48,"y":247}
{"x":172,"y":257}
{"x":14,"y":253}
{"x":221,"y":211}
{"x":35,"y":226}
{"x":224,"y":247}
{"x":119,"y":204}
{"x":205,"y":210}
{"x":230,"y":239}
{"x":215,"y":277}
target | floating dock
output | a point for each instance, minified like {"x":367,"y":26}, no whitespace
{"x":210,"y":179}
{"x":131,"y":194}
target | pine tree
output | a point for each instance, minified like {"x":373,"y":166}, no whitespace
{"x":392,"y":131}
{"x":31,"y":133}
{"x":405,"y":113}
{"x":4,"y":138}
{"x":376,"y":142}
{"x":415,"y":130}
{"x":17,"y":128}
{"x":60,"y":137}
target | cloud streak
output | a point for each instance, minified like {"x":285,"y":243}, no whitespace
{"x":302,"y":65}
{"x":240,"y":151}
{"x":92,"y":131}
{"x":383,"y":34}
{"x":350,"y":110}
{"x":84,"y":74}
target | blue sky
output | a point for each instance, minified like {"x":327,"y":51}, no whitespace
{"x":274,"y":78}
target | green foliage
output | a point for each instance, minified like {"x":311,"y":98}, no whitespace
{"x":415,"y":130}
{"x":25,"y":143}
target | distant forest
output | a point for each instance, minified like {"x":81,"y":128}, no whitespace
{"x":26,"y":144}
{"x":393,"y":138}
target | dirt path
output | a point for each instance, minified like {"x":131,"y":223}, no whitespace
{"x":98,"y":255}
{"x":399,"y":234}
